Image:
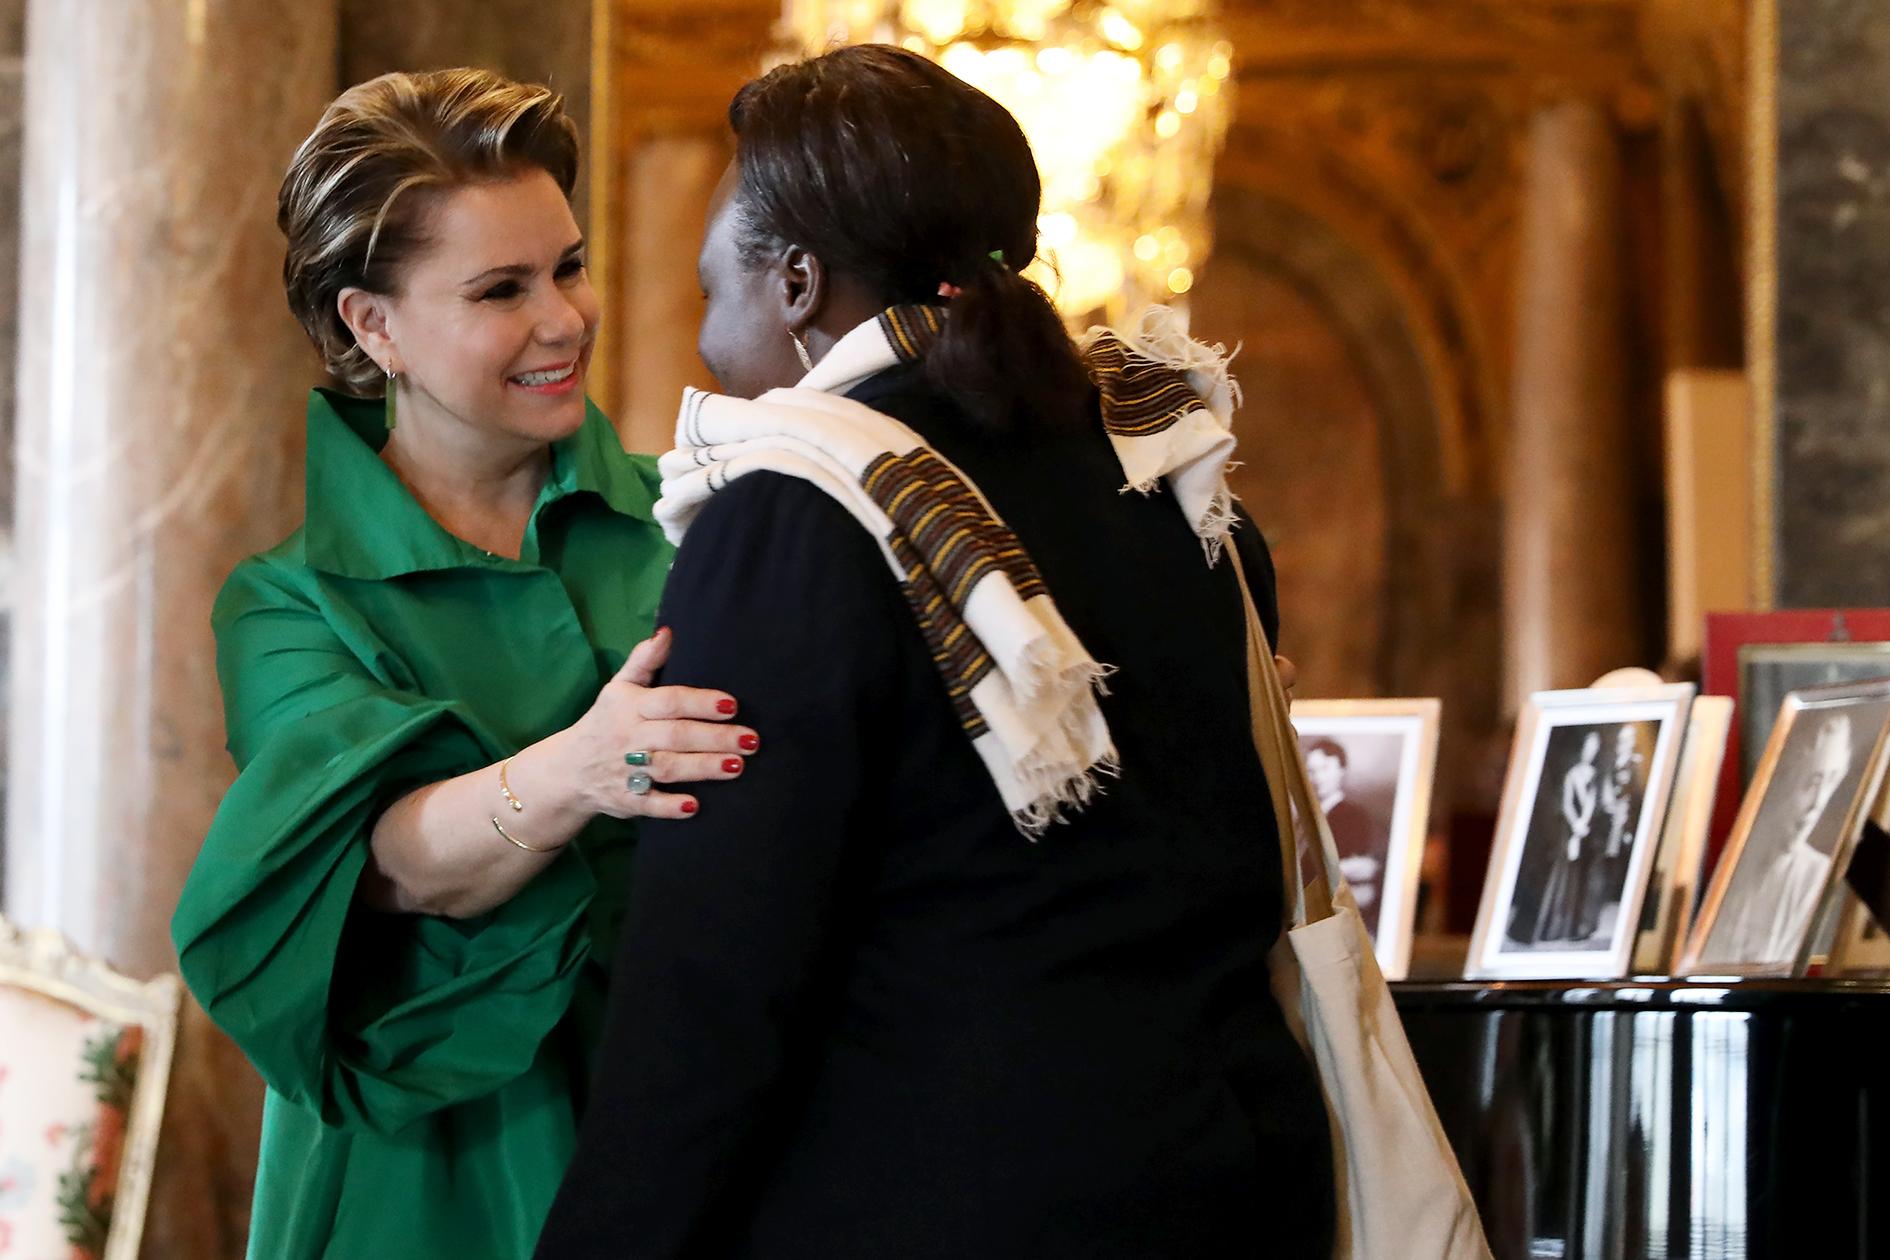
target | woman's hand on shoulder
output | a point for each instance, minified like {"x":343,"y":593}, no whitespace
{"x":672,"y":735}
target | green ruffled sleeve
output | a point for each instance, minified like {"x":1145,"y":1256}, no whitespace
{"x":368,"y":1018}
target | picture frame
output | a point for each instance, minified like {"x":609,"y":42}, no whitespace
{"x":1585,"y":802}
{"x":1674,"y":892}
{"x":1383,"y":773}
{"x":1768,"y":672}
{"x":1727,"y":635}
{"x":1822,"y":771}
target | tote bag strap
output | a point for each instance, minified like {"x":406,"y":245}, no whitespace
{"x":1304,"y":835}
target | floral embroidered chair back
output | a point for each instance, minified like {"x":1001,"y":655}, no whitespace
{"x":85,"y":1056}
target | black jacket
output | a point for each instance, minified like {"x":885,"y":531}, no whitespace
{"x":857,"y":1014}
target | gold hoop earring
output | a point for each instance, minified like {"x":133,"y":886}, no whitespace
{"x":392,"y":416}
{"x":800,"y":348}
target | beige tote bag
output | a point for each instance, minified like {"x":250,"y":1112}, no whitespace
{"x":1400,"y":1194}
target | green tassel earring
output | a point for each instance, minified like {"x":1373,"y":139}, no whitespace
{"x":391,"y":391}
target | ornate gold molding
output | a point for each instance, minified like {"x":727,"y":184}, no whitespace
{"x":44,"y":962}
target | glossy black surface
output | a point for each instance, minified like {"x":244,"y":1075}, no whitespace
{"x":1665,"y":1119}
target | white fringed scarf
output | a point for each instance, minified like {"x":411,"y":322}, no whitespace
{"x":1023,"y":685}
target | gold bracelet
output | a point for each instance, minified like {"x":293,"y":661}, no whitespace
{"x":529,"y":848}
{"x":505,"y":789}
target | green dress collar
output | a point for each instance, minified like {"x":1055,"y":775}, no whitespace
{"x":362,"y":523}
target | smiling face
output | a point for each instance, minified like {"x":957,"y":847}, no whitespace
{"x":494,"y":321}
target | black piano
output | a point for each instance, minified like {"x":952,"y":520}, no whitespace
{"x":1665,"y":1119}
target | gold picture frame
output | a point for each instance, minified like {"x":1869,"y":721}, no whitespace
{"x":1376,"y":737}
{"x":1763,"y":813}
{"x":1575,"y":841}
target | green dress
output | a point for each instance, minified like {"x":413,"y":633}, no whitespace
{"x":423,"y":1073}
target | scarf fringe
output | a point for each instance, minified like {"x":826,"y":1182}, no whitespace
{"x":1217,"y":527}
{"x":1216,"y":524}
{"x":1064,"y":795}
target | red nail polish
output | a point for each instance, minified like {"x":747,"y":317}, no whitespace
{"x":749,"y":742}
{"x":688,"y":807}
{"x":725,"y":706}
{"x":731,"y":765}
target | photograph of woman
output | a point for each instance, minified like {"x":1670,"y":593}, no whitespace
{"x":1559,"y":916}
{"x":1371,"y":764}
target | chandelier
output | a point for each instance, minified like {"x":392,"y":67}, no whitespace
{"x":1125,"y":104}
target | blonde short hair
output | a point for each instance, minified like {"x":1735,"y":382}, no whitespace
{"x":353,"y":204}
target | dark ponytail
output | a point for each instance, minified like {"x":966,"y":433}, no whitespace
{"x":890,"y":169}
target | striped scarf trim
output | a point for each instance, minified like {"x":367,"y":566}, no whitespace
{"x":1021,"y":684}
{"x":1168,"y":405}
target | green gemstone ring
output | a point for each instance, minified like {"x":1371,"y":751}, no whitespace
{"x":636,"y":759}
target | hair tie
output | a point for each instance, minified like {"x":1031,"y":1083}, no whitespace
{"x":948,"y":290}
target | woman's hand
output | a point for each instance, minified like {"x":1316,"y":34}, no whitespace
{"x":465,"y":845}
{"x":1289,"y":674}
{"x":688,"y":733}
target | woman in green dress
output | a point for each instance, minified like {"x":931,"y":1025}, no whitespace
{"x":440,"y":723}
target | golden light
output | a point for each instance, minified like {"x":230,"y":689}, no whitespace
{"x":1124,"y":104}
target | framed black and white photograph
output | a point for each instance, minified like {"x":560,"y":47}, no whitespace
{"x":1768,"y":672}
{"x":1584,"y":804}
{"x":1371,"y":762}
{"x":1822,"y":769}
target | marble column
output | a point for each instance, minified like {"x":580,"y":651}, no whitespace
{"x":1572,"y":593}
{"x":1828,"y":424}
{"x":158,"y":441}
